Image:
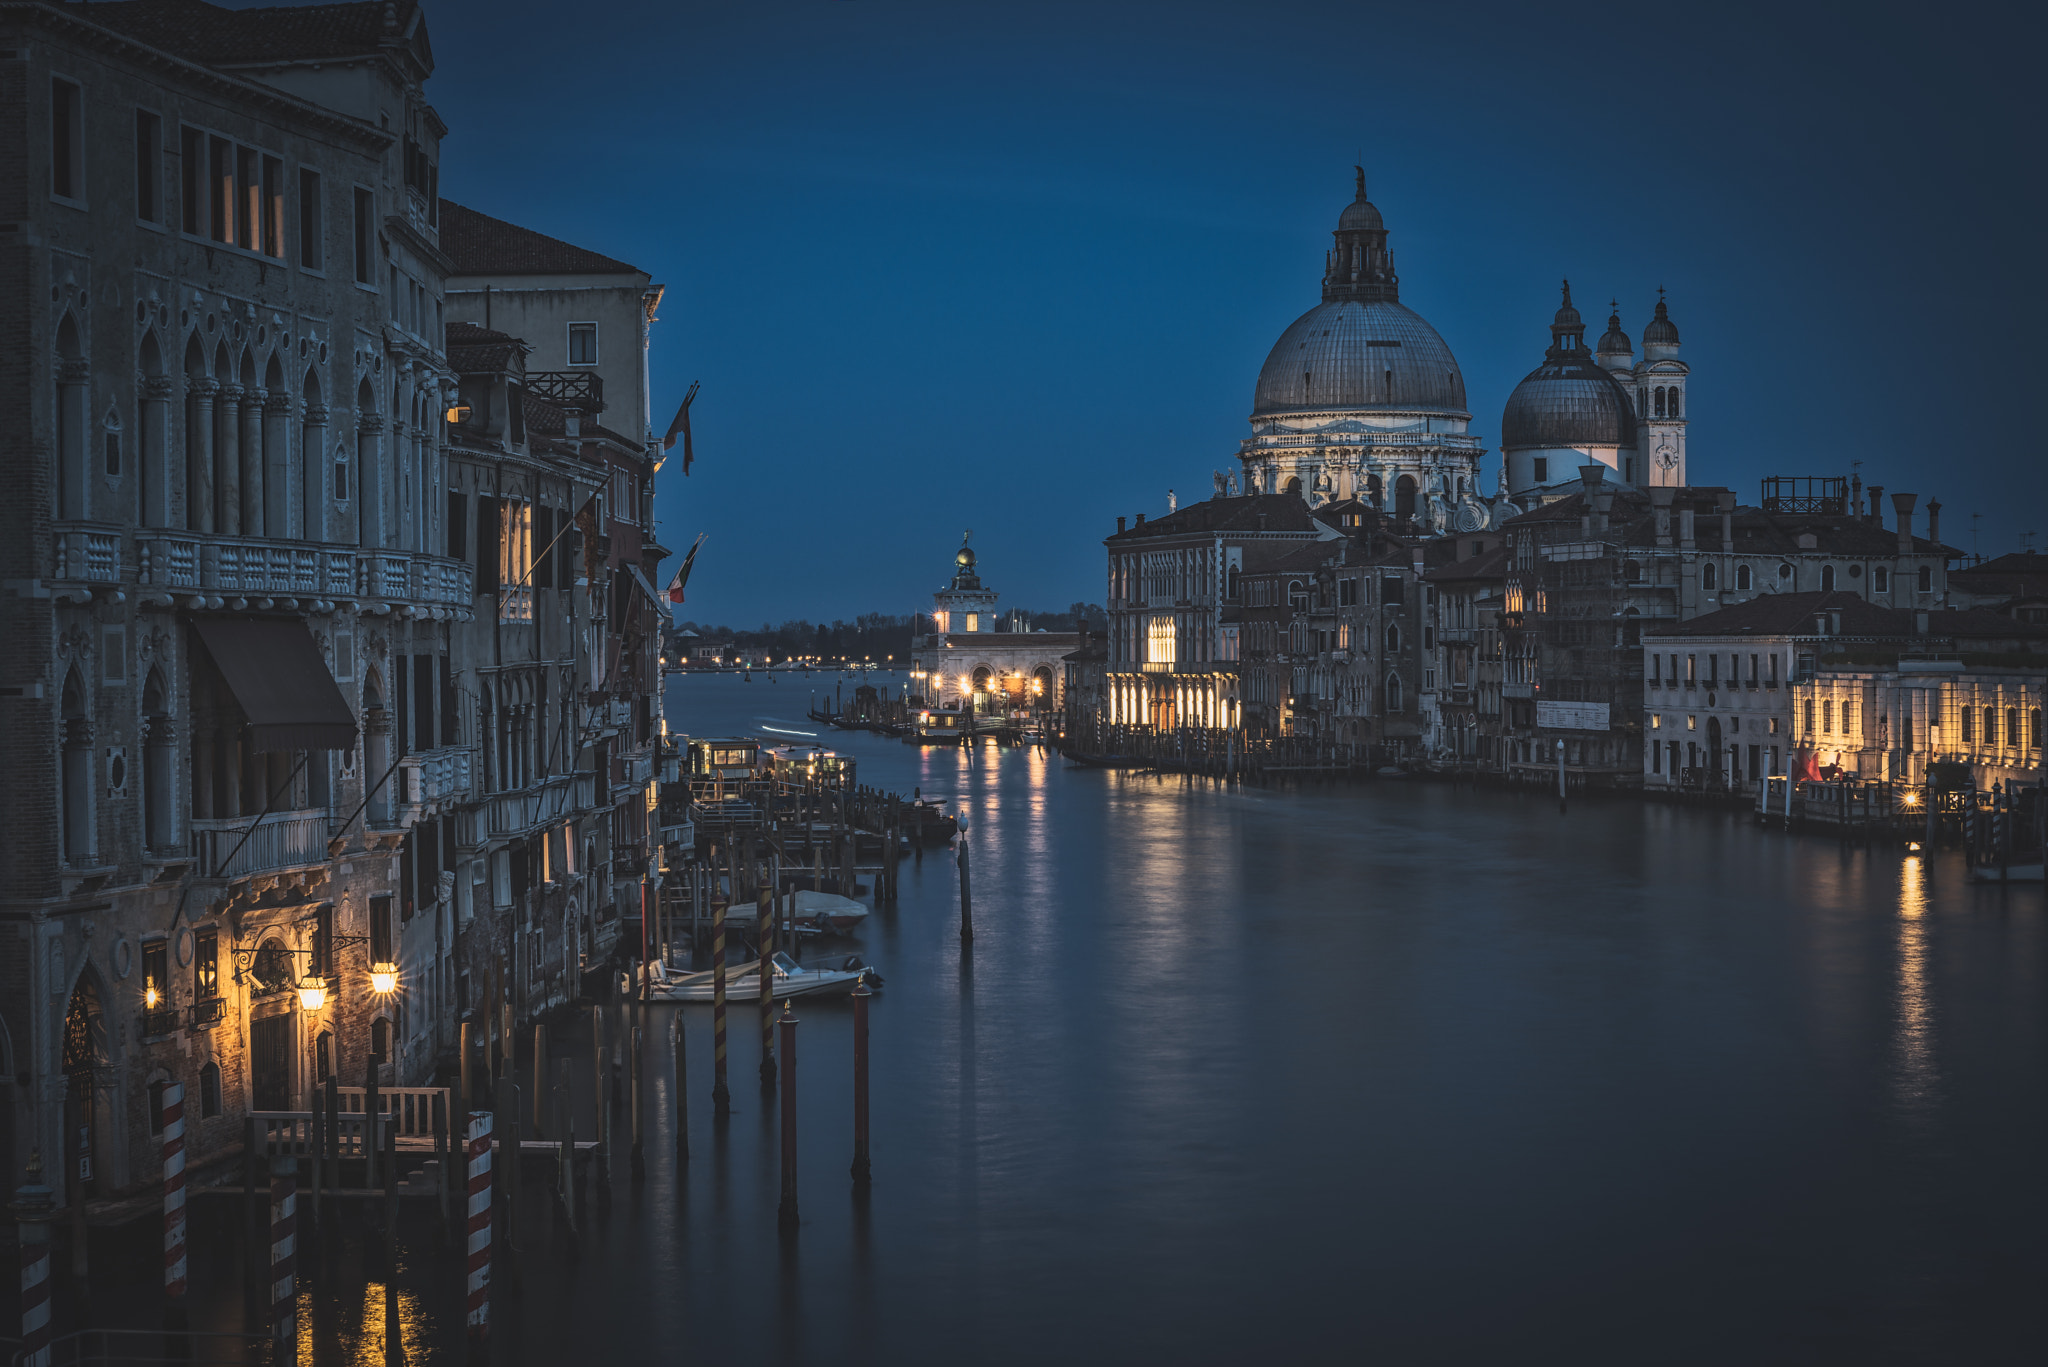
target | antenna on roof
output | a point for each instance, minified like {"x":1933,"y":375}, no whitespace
{"x":2026,"y":543}
{"x":1975,"y":554}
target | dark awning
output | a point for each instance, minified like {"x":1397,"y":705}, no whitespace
{"x":277,"y":674}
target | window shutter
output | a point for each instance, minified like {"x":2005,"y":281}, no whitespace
{"x":486,"y":544}
{"x":543,"y":535}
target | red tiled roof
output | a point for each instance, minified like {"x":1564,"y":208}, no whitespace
{"x":216,"y":36}
{"x":481,"y":245}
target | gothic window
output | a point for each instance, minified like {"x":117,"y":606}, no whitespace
{"x":1393,"y":693}
{"x":1393,"y":640}
{"x":1709,"y":576}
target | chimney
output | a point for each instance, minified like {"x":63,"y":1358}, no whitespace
{"x":1876,"y":510}
{"x":1934,"y":520}
{"x":1856,"y":496}
{"x":1119,"y":524}
{"x":1141,"y":520}
{"x":1685,"y":528}
{"x":1902,"y":504}
{"x":1660,"y":502}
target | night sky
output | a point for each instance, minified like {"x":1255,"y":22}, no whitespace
{"x":1016,"y":267}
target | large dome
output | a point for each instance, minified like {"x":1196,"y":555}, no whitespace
{"x":1567,"y":401}
{"x":1352,"y":353}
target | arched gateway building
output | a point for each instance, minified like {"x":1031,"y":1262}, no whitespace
{"x":970,"y":654}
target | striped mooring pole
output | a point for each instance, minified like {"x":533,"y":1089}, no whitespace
{"x":173,"y":1120}
{"x":31,"y":1208}
{"x":479,"y":1236}
{"x":284,"y":1241}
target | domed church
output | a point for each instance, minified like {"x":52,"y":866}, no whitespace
{"x":1603,"y":407}
{"x":1360,"y":398}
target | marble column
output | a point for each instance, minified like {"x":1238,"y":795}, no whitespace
{"x":277,"y":456}
{"x":199,"y":454}
{"x":159,"y":487}
{"x":227,"y":458}
{"x":253,"y":505}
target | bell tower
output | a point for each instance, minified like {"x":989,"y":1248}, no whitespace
{"x":1661,"y":400}
{"x":964,"y":605}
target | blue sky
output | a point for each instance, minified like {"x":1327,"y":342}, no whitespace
{"x":1016,"y":267}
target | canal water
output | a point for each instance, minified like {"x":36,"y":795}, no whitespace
{"x":1394,"y":1071}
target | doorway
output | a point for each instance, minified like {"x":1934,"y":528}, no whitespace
{"x":270,"y":1063}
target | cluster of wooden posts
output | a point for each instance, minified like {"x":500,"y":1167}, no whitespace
{"x":1219,"y":752}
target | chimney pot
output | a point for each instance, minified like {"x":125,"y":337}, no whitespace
{"x":1876,"y":504}
{"x":1141,"y":520}
{"x":1120,"y":524}
{"x":1934,"y":520}
{"x":1902,"y":504}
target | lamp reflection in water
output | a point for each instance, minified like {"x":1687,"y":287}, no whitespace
{"x":1913,"y":1066}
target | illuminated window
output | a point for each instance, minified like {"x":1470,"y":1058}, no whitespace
{"x":1159,"y":640}
{"x":974,"y":621}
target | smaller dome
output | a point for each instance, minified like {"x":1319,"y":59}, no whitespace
{"x":965,"y":559}
{"x":1614,"y":339}
{"x":1567,"y":316}
{"x":1661,"y":331}
{"x":1567,"y":402}
{"x":1360,"y":215}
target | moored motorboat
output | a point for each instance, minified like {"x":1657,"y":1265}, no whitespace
{"x":743,"y":981}
{"x":822,"y":911}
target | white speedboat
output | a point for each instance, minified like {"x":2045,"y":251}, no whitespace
{"x":820,"y":912}
{"x":743,"y":981}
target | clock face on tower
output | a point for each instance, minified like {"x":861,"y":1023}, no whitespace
{"x":1666,"y":456}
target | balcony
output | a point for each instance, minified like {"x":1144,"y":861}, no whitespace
{"x":282,"y":840}
{"x":87,"y":553}
{"x":433,"y":779}
{"x":581,"y":389}
{"x":291,"y":574}
{"x":157,"y":1023}
{"x":208,"y":1012}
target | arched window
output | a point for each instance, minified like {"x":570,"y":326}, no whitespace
{"x":2034,"y":729}
{"x":1404,"y":496}
{"x":1393,"y":640}
{"x":1231,"y":592}
{"x":1827,"y":578}
{"x":2012,"y":726}
{"x":1880,"y":579}
{"x":1393,"y":693}
{"x":1633,"y":571}
{"x":209,"y":1091}
{"x":1672,"y":400}
{"x":1809,"y":716}
{"x":1969,"y":718}
{"x":1709,"y":576}
{"x":1660,"y":401}
{"x":1374,"y":492}
{"x":1294,"y":486}
{"x":1784,"y":572}
{"x":1827,"y":715}
{"x":1742,"y":578}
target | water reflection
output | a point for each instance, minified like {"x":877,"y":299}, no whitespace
{"x":1915,"y":1074}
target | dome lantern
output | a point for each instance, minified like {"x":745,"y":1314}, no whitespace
{"x":1360,"y":266}
{"x":1615,"y":353}
{"x":1660,"y":335}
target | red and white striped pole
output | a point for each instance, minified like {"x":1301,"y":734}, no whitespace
{"x":284,"y":1239}
{"x":173,"y":1120}
{"x":32,"y":1206}
{"x":479,"y":1235}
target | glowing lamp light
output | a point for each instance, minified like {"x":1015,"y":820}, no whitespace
{"x":313,"y":995}
{"x":151,"y":998}
{"x":458,"y":413}
{"x":384,"y":979}
{"x":1909,"y":799}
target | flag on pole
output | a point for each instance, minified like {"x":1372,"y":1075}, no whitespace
{"x":682,"y":425}
{"x":675,"y":585}
{"x":1806,"y":767}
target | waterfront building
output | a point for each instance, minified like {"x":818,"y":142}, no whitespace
{"x":1361,"y":398}
{"x":1591,"y":570}
{"x":257,"y":750}
{"x":1731,"y":696}
{"x":587,"y":320}
{"x":969,"y":656}
{"x":1462,"y":647}
{"x":1176,"y":610}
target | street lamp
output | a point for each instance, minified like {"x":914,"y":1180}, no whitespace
{"x":312,"y":994}
{"x":384,"y":979}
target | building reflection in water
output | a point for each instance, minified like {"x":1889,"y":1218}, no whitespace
{"x":1915,"y":1079}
